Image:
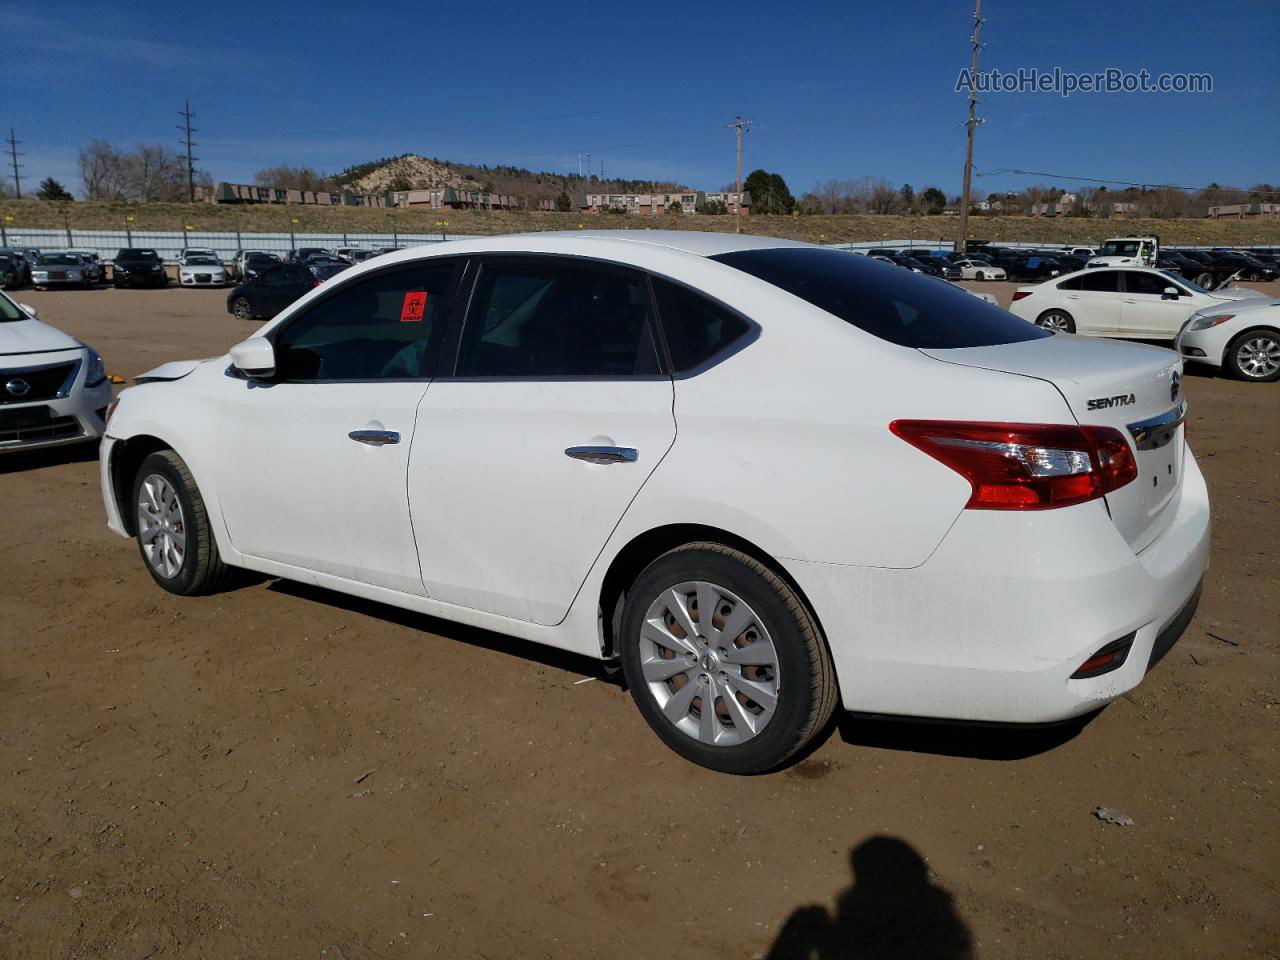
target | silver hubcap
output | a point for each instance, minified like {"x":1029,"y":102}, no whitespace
{"x":161,"y":527}
{"x":1054,"y":321}
{"x":242,"y":309}
{"x":709,"y":663}
{"x":1259,"y":357}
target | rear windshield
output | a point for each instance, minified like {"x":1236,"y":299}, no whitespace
{"x":9,"y":310}
{"x":884,"y":300}
{"x":134,"y":254}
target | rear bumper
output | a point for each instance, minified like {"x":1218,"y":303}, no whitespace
{"x":993,"y":625}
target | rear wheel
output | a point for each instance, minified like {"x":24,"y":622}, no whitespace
{"x":724,"y":661}
{"x":172,"y":524}
{"x":1255,"y":355}
{"x":242,"y":309}
{"x":1205,"y":280}
{"x":1059,"y":321}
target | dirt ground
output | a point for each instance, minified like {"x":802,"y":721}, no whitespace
{"x":279,"y":771}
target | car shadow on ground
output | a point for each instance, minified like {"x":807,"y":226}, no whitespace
{"x":893,"y":910}
{"x":472,"y":636}
{"x":977,"y":741}
{"x":21,"y":461}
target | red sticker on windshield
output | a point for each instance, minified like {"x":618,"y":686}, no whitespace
{"x":415,"y":305}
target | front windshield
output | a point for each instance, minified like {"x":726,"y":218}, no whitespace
{"x":59,"y":260}
{"x":138,"y":255}
{"x":201,"y":262}
{"x":1120,"y":248}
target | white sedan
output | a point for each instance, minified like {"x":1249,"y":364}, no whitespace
{"x":765,"y":476}
{"x":1129,"y":302}
{"x":201,"y":270}
{"x":1242,"y":338}
{"x":53,"y":388}
{"x":979,"y":270}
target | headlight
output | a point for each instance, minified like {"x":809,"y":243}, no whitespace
{"x":73,"y":274}
{"x":96,"y":373}
{"x":1204,"y":323}
{"x":155,"y":267}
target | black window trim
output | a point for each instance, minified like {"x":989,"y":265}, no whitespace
{"x":475,"y":267}
{"x":1168,"y":282}
{"x":734,"y":346}
{"x":458,"y":263}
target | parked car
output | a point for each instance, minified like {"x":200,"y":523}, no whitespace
{"x":1081,"y":251}
{"x":93,"y":263}
{"x":61,"y":270}
{"x":348,"y":253}
{"x":12,"y":270}
{"x":201,"y":270}
{"x":1021,"y":265}
{"x":21,"y":265}
{"x":1235,"y":266}
{"x":946,"y":269}
{"x":204,"y":253}
{"x":254,"y":263}
{"x":53,"y":388}
{"x":324,"y":270}
{"x":976,"y":257}
{"x":1243,"y":339}
{"x":914,"y":265}
{"x":1175,"y":262}
{"x":138,"y":267}
{"x":360,"y":256}
{"x":271,"y":291}
{"x":302,"y":253}
{"x":1135,"y":302}
{"x":971,"y":269}
{"x":592,"y":465}
{"x":1070,"y":262}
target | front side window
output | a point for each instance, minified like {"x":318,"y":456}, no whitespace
{"x":386,"y":327}
{"x":1146,"y":284}
{"x":549,"y":318}
{"x":892,"y":304}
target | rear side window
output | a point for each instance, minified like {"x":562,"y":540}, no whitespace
{"x":1101,"y":281}
{"x":696,"y":328}
{"x":548,"y":318}
{"x":886,"y":301}
{"x":386,"y":327}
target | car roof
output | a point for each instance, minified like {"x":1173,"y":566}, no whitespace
{"x":703,"y":244}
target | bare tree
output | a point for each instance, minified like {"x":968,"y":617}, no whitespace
{"x":103,"y":171}
{"x":286,"y":177}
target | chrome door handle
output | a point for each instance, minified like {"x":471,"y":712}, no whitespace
{"x":604,"y":454}
{"x":375,"y":438}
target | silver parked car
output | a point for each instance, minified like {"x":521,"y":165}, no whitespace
{"x":61,"y":270}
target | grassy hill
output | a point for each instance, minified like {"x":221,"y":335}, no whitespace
{"x":821,"y":229}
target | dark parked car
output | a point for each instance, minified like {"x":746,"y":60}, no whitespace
{"x":302,"y":253}
{"x":271,"y":291}
{"x":1174,"y":261}
{"x":911,"y":263}
{"x":1070,"y":262}
{"x":256,"y":264}
{"x":945,"y":267}
{"x":20,"y":265}
{"x":323,"y":270}
{"x":1238,"y":266}
{"x":1023,"y":265}
{"x":138,"y":267}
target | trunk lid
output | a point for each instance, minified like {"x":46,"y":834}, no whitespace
{"x":1135,"y":388}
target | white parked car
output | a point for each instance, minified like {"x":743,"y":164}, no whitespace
{"x":1135,"y":302}
{"x":53,"y":388}
{"x":198,"y":270}
{"x":764,"y":475}
{"x":978,"y":270}
{"x":186,"y":253}
{"x":1242,"y":338}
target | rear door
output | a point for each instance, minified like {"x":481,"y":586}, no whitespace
{"x":527,"y":456}
{"x":1093,"y":300}
{"x":1147,"y":311}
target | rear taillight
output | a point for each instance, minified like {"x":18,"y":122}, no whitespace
{"x":1019,"y":294}
{"x":1025,"y":466}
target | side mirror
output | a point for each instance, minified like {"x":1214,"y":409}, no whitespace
{"x":255,"y":357}
{"x":1172,"y":293}
{"x":29,"y":310}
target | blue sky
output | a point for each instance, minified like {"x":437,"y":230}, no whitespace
{"x":837,"y":90}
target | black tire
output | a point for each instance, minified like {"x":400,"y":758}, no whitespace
{"x":979,"y":275}
{"x":1205,"y":280}
{"x":1065,"y":321}
{"x":202,"y":569}
{"x":1232,"y":359}
{"x":242,"y":309}
{"x":806,"y":697}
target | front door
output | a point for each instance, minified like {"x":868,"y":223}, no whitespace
{"x":529,"y":455}
{"x":315,"y":458}
{"x":1147,"y":311}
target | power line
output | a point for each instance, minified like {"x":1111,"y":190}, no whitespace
{"x":186,"y":114}
{"x":13,"y":156}
{"x":971,"y":124}
{"x":741,"y":126}
{"x":1123,"y":183}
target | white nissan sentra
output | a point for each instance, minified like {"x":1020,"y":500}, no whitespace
{"x":765,"y":476}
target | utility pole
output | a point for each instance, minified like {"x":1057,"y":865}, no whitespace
{"x":741,"y":126}
{"x":14,"y":155}
{"x":972,"y":125}
{"x":186,"y":114}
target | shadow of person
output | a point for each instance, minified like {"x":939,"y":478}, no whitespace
{"x":892,"y":912}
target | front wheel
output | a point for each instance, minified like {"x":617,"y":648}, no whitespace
{"x":172,"y":525}
{"x":242,"y":309}
{"x":1059,"y":321}
{"x":979,"y":275}
{"x":724,"y":661}
{"x":1255,"y":356}
{"x":1205,"y":280}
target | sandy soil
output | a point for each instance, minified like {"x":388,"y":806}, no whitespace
{"x":281,"y":772}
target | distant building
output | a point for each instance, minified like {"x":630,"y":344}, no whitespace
{"x":1055,"y":208}
{"x":1245,"y":211}
{"x":655,"y":204}
{"x":253,"y":193}
{"x":449,"y":198}
{"x":1123,"y":210}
